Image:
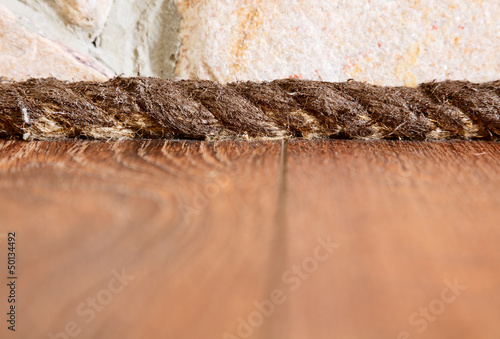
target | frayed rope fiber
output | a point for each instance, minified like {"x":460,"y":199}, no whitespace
{"x":49,"y":109}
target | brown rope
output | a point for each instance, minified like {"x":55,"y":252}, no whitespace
{"x":45,"y":109}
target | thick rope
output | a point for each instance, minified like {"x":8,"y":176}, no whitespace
{"x":48,"y":109}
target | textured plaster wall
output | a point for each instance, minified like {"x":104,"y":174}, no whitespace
{"x":391,"y":42}
{"x":380,"y":41}
{"x":125,"y":37}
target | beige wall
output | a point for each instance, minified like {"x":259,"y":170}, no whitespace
{"x":392,"y":42}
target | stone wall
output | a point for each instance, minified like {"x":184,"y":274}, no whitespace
{"x":391,"y":42}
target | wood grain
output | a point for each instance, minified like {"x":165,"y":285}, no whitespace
{"x":407,"y":216}
{"x":83,"y":209}
{"x":208,"y":229}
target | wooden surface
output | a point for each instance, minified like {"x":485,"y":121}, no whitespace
{"x":208,"y":229}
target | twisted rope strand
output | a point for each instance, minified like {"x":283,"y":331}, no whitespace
{"x":49,"y":109}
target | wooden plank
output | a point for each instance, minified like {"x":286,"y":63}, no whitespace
{"x":209,"y":229}
{"x":188,"y":226}
{"x":409,"y":218}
